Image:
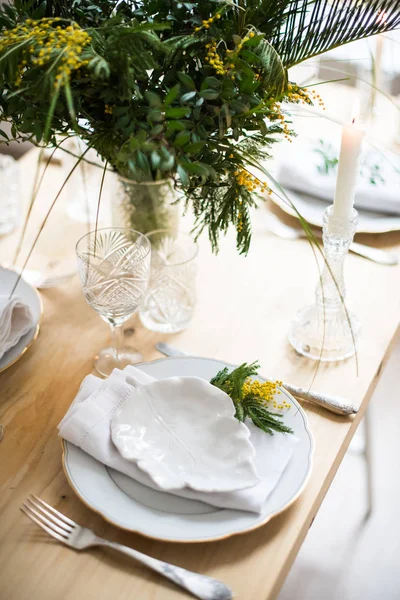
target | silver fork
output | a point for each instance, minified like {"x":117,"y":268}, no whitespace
{"x":75,"y":536}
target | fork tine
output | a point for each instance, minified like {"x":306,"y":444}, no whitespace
{"x":55,"y":520}
{"x":53,"y":510}
{"x":47,"y":529}
{"x":45,"y":521}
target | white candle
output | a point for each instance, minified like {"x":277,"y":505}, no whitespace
{"x":349,"y":158}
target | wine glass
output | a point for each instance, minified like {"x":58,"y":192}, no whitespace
{"x":114,"y":267}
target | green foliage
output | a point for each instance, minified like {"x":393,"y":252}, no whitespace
{"x":192,"y":91}
{"x":248,"y":406}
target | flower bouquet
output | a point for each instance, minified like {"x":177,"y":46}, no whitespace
{"x":191,"y":94}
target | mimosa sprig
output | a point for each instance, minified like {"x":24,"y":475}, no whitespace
{"x":253,"y":399}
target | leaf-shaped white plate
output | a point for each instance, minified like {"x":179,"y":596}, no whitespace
{"x":183,"y":433}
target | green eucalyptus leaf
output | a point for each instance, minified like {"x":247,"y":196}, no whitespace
{"x":142,"y":161}
{"x":167,"y":163}
{"x":157,"y":130}
{"x":183,"y":176}
{"x":210,"y":82}
{"x":182,"y":138}
{"x":172,"y":94}
{"x":186,"y":80}
{"x":177,"y":112}
{"x":188,"y":96}
{"x":155,"y":159}
{"x":238,"y":107}
{"x":194,"y":147}
{"x":195,"y":168}
{"x":178,"y":125}
{"x":155,"y":115}
{"x":153,"y":99}
{"x":209,"y":94}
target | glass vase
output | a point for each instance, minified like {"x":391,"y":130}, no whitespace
{"x":83,"y":185}
{"x":10,"y":201}
{"x":145,"y":206}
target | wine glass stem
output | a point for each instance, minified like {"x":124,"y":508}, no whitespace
{"x":117,"y":337}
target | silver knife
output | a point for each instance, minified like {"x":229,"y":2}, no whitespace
{"x":335,"y":404}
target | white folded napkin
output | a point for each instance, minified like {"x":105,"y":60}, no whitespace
{"x":298,"y":170}
{"x":87,"y":425}
{"x":15,"y":321}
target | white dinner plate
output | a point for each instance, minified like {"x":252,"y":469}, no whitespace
{"x":134,"y":507}
{"x":312,"y":209}
{"x":30,"y":296}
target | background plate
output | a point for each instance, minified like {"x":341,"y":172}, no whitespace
{"x":312,"y":209}
{"x":134,"y":507}
{"x":30,"y":296}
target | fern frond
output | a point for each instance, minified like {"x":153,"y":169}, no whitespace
{"x":310,"y":27}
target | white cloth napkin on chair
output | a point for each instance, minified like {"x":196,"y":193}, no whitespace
{"x":15,"y":321}
{"x":87,"y":425}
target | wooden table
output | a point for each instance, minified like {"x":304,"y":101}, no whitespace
{"x":244,"y":310}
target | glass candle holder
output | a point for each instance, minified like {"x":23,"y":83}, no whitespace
{"x":327,"y":331}
{"x":169,"y":302}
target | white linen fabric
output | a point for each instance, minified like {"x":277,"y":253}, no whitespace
{"x":298,"y":170}
{"x":87,"y":425}
{"x":15,"y":321}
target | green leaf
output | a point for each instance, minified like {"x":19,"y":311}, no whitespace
{"x":142,"y":161}
{"x":186,"y":80}
{"x":178,"y":125}
{"x":177,"y":112}
{"x":251,"y":57}
{"x":209,"y":94}
{"x":167,"y":159}
{"x":157,"y":130}
{"x":188,"y":96}
{"x":238,"y":107}
{"x":100,"y":67}
{"x":172,"y":94}
{"x":3,"y":134}
{"x":195,"y":168}
{"x":274,"y":75}
{"x":182,"y":138}
{"x":240,"y":414}
{"x":210,"y":82}
{"x":153,"y":99}
{"x":183,"y":176}
{"x":155,"y":159}
{"x":194,"y":147}
{"x":154,"y":115}
{"x":71,"y":108}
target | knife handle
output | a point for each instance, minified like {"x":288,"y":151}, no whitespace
{"x":335,"y":404}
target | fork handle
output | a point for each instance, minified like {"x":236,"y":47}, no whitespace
{"x":200,"y":586}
